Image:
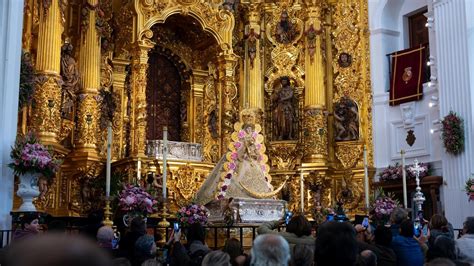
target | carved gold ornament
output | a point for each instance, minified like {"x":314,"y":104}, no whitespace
{"x":348,"y":154}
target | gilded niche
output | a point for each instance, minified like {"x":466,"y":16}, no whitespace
{"x":284,"y":111}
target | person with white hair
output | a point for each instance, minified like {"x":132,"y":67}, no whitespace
{"x":216,"y":258}
{"x":105,"y":235}
{"x":270,"y":250}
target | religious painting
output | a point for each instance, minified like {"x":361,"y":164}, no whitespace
{"x":284,"y":111}
{"x":346,"y":120}
{"x":345,"y":60}
{"x":163,"y":98}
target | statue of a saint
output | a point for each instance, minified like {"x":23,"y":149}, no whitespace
{"x":285,"y":30}
{"x":70,"y":76}
{"x":346,"y":121}
{"x":283,"y":111}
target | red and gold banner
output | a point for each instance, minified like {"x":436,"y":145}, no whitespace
{"x":408,"y":68}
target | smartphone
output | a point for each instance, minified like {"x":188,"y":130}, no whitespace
{"x":330,"y":217}
{"x":425,"y":229}
{"x":176,"y":227}
{"x":416,"y":229}
{"x":365,"y":222}
{"x":288,"y":216}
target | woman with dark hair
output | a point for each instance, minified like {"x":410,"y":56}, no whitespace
{"x":29,"y":227}
{"x":196,"y":248}
{"x":298,"y":231}
{"x":336,"y":244}
{"x":127,"y":243}
{"x":233,"y":247}
{"x":444,"y":247}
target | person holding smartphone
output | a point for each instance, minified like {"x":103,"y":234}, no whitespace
{"x":298,"y":231}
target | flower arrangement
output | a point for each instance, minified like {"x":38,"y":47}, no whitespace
{"x":30,"y":156}
{"x":470,"y":187}
{"x":392,"y":173}
{"x":382,"y":207}
{"x":135,"y":199}
{"x":453,"y":133}
{"x":241,"y":142}
{"x":191,"y":214}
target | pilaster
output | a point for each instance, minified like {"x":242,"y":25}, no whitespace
{"x":139,"y":82}
{"x":455,"y":94}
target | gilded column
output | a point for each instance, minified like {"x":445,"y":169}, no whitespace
{"x":227,"y":94}
{"x":89,"y":65}
{"x":119,"y":77}
{"x":46,"y":114}
{"x":253,"y":97}
{"x":197,"y":127}
{"x":315,"y":120}
{"x":139,"y":81}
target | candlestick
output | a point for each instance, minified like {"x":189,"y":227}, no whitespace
{"x":165,"y":153}
{"x":109,"y":158}
{"x":404,"y":180}
{"x":302,"y":191}
{"x":366,"y":179}
{"x":418,"y":198}
{"x":139,"y":169}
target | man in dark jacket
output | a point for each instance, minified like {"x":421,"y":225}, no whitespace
{"x":406,"y":247}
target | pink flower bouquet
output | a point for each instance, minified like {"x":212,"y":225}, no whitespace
{"x":135,"y":199}
{"x":29,"y":155}
{"x":381,"y":209}
{"x":191,"y":214}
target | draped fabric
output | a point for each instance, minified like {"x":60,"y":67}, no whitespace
{"x":408,"y":68}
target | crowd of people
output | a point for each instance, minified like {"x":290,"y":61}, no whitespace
{"x":333,"y":243}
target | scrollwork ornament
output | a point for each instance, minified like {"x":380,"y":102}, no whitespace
{"x":348,"y":154}
{"x":47,"y":98}
{"x":87,"y":120}
{"x":45,"y":4}
{"x":315,"y":132}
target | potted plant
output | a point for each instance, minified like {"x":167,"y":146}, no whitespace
{"x":31,"y":160}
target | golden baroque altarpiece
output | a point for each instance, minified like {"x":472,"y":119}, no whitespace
{"x":298,"y":68}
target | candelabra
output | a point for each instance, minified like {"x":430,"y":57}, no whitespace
{"x":418,"y":198}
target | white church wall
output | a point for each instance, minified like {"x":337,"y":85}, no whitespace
{"x":454,"y":50}
{"x":389,"y":33}
{"x":11,"y":16}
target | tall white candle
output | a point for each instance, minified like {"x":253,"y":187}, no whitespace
{"x":302,"y":191}
{"x":404,"y":180}
{"x":109,"y":160}
{"x":165,"y":153}
{"x":139,"y":169}
{"x":366,"y":179}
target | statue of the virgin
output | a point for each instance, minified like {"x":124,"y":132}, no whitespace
{"x":243,"y":171}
